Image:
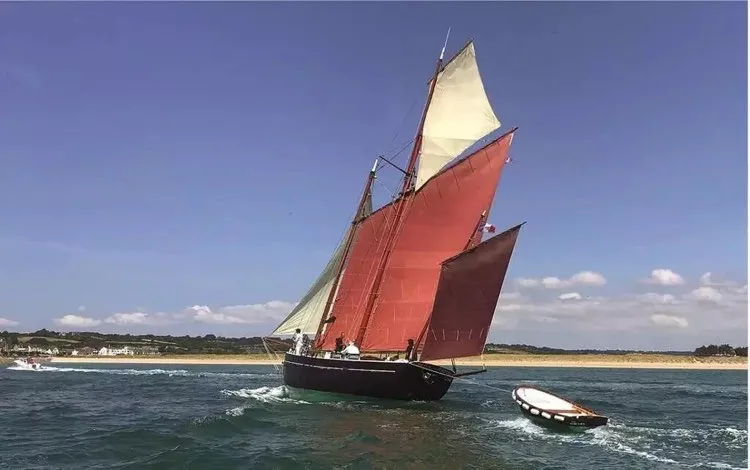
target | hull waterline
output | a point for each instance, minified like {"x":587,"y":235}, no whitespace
{"x":378,"y":379}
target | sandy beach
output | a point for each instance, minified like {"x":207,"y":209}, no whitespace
{"x":625,"y":361}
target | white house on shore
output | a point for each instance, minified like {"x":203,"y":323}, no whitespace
{"x":124,"y":351}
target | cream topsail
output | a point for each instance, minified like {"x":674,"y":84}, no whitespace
{"x":459,"y":114}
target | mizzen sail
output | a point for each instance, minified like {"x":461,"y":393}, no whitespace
{"x":467,"y":294}
{"x":459,"y":114}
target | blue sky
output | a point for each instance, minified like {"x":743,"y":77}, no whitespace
{"x":159,"y":156}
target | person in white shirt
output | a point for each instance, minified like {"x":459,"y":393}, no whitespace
{"x":297,"y":341}
{"x":350,"y":350}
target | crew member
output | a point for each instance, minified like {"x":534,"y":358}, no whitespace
{"x":409,"y":348}
{"x":297,"y":341}
{"x":351,"y":351}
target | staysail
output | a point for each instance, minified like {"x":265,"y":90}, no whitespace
{"x":307,"y":314}
{"x":459,"y":114}
{"x":466,"y":297}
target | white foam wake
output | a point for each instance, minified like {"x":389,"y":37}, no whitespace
{"x":116,"y":371}
{"x":636,"y":441}
{"x":278,"y":394}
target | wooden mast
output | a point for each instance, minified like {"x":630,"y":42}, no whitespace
{"x":400,"y":206}
{"x":345,"y":254}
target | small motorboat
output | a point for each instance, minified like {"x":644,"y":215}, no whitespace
{"x":548,"y":409}
{"x":28,"y":364}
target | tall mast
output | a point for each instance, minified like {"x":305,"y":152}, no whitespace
{"x":400,"y":206}
{"x":347,"y":247}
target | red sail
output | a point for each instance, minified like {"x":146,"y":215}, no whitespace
{"x":438,"y":222}
{"x":358,"y":275}
{"x":466,"y":298}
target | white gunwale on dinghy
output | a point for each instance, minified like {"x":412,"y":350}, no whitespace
{"x":536,"y":403}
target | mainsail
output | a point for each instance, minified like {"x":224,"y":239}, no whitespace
{"x":307,"y":314}
{"x":459,"y":114}
{"x":466,"y":298}
{"x":395,"y":276}
{"x":441,"y":217}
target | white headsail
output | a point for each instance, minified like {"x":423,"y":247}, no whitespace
{"x":310,"y":310}
{"x":459,"y":114}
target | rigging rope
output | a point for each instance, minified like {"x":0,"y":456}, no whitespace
{"x":271,"y":355}
{"x":459,"y":378}
{"x":400,"y":126}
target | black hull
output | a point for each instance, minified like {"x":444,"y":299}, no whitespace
{"x":416,"y":381}
{"x":579,"y":424}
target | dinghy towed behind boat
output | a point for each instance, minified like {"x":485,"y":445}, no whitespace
{"x":545,"y":408}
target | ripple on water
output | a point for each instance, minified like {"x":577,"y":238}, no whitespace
{"x":224,"y":417}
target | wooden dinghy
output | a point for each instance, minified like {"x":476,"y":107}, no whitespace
{"x":548,"y":409}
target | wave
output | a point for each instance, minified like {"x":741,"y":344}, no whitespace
{"x":168,"y":372}
{"x":634,"y":440}
{"x":279,"y":394}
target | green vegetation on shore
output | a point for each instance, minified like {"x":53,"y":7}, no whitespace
{"x":11,"y":342}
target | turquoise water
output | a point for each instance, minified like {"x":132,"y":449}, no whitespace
{"x":216,"y":417}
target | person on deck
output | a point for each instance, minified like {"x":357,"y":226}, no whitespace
{"x":297,"y":341}
{"x":409,"y":348}
{"x":351,"y":350}
{"x":339,"y":343}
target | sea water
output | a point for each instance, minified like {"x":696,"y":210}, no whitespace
{"x":242,"y":417}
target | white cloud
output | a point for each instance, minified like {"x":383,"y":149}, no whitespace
{"x":77,"y":321}
{"x":583,"y":278}
{"x":588,"y":278}
{"x":652,"y":297}
{"x":251,"y":314}
{"x":203,"y":314}
{"x":268,"y":312}
{"x":509,"y":295}
{"x":140,"y":318}
{"x":570,"y":296}
{"x":706,"y":294}
{"x":665,"y":277}
{"x":7,"y":322}
{"x":81,"y":308}
{"x":527,"y":282}
{"x":669,"y":321}
{"x":697,"y":311}
{"x":705,"y":279}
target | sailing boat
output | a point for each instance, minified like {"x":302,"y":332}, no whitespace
{"x":413,"y":275}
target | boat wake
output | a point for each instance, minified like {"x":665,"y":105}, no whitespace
{"x":647,"y":443}
{"x":28,"y":368}
{"x":146,"y":372}
{"x":279,"y":394}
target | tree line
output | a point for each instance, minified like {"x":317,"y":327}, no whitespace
{"x":212,"y":344}
{"x":720,"y":350}
{"x":205,"y":344}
